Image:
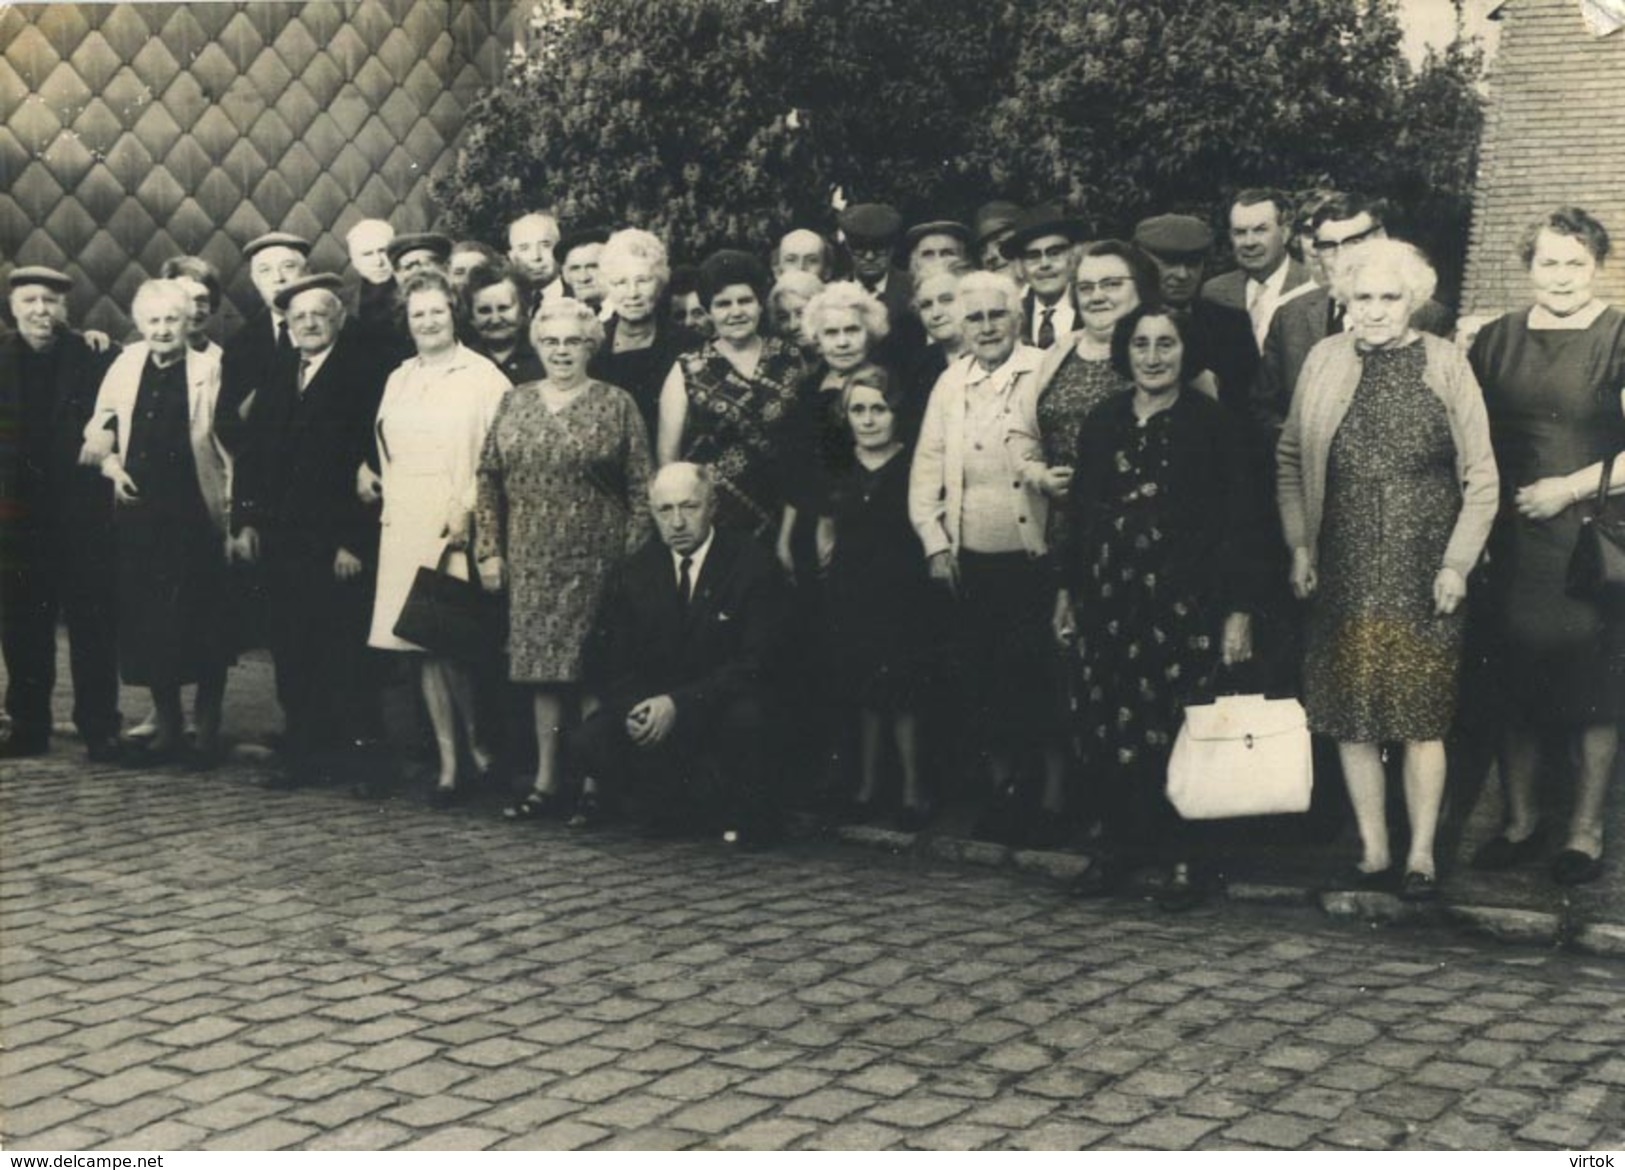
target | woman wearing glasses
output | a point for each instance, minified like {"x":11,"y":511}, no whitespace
{"x":1113,"y":279}
{"x":560,"y":500}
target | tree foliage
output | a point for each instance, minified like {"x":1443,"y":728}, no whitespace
{"x":724,"y":121}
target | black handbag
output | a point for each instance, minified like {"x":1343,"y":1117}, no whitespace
{"x":445,"y":615}
{"x":1597,"y":565}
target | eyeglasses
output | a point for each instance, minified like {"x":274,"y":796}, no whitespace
{"x":1053,"y":252}
{"x":1325,"y":246}
{"x":1112,"y":284}
{"x":561,"y":342}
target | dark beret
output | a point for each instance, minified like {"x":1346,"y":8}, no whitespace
{"x":1173,"y":235}
{"x":419,"y":242}
{"x":728,"y":267}
{"x":276,"y":240}
{"x":327,"y":280}
{"x":871,"y":223}
{"x":39,"y":274}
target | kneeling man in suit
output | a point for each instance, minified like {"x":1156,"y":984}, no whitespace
{"x":689,"y":632}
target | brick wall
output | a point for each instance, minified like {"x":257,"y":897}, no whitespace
{"x":1555,"y":135}
{"x":135,"y":132}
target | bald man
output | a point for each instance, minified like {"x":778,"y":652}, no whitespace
{"x":689,"y":634}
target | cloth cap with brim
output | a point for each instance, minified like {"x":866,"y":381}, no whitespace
{"x":284,"y":297}
{"x":39,"y":274}
{"x":419,"y":242}
{"x":730,"y":267}
{"x":276,"y":240}
{"x":936,"y":227}
{"x":994,"y":219}
{"x":577,"y":239}
{"x":1047,"y":219}
{"x":1174,"y":235}
{"x":874,"y":224}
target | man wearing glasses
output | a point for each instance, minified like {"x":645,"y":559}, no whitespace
{"x":1341,"y":222}
{"x":1043,"y":246}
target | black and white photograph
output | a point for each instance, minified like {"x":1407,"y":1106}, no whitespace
{"x":812,"y":575}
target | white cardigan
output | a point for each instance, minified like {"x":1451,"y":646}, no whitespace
{"x":115,"y":403}
{"x":936,"y":484}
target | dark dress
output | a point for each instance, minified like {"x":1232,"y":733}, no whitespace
{"x":172,"y":575}
{"x":736,"y":424}
{"x":880,"y":595}
{"x":1164,"y":525}
{"x":640,"y":372}
{"x":1553,"y":397}
{"x":1380,"y":664}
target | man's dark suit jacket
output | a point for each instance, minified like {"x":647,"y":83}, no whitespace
{"x":1030,"y":313}
{"x":251,"y":360}
{"x":42,"y":487}
{"x":1230,"y":288}
{"x":298,"y":453}
{"x":1294,"y":330}
{"x":724,"y":648}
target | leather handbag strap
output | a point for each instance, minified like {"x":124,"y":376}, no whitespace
{"x":1601,"y":501}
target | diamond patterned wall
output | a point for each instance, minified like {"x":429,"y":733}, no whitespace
{"x":136,"y":132}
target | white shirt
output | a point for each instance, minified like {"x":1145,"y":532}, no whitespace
{"x":1263,"y":298}
{"x":308,"y":367}
{"x":1064,"y":318}
{"x":695,"y":560}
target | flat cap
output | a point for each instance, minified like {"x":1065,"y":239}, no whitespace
{"x":419,"y":242}
{"x":1046,"y":219}
{"x":937,"y":227}
{"x":994,"y":219}
{"x":1173,"y":235}
{"x":285,"y":295}
{"x":39,"y":274}
{"x":276,"y":240}
{"x":871,"y":223}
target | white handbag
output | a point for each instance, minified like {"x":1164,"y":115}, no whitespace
{"x":1242,"y":756}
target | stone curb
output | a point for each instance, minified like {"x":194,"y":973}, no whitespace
{"x":1514,"y":926}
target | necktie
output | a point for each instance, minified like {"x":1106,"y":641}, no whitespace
{"x":1046,"y":329}
{"x":304,"y":373}
{"x":1334,"y":319}
{"x":1258,"y":308}
{"x":685,"y":584}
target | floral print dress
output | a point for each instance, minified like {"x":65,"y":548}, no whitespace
{"x":1144,"y":648}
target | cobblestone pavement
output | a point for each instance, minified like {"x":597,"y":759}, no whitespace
{"x":196,"y":963}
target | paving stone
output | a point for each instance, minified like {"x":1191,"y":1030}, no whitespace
{"x":367,"y":1134}
{"x":1451,"y":1074}
{"x":342,"y":1107}
{"x":426,"y":1078}
{"x":212,"y":1086}
{"x":629,"y":1111}
{"x":1169,"y":1131}
{"x":917,"y":1111}
{"x":829,"y":1105}
{"x":391,"y":1057}
{"x":1563,"y":1131}
{"x":504,"y":1085}
{"x":1057,"y":1135}
{"x":165,"y":1135}
{"x":778,"y":1133}
{"x":262,"y":1135}
{"x":457,"y":1137}
{"x":233,"y":1112}
{"x":854,"y":1135}
{"x":440,"y":1109}
{"x":525,"y":1114}
{"x":45,"y":1113}
{"x":1279,"y":1131}
{"x":560,"y":1135}
{"x":108,"y":1091}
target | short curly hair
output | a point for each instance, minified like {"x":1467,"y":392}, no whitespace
{"x":567,"y":309}
{"x":1575,"y":222}
{"x":844,"y":294}
{"x":1405,"y":261}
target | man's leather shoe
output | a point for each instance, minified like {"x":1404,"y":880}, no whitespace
{"x":22,"y":744}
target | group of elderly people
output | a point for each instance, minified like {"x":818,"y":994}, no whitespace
{"x":1001,"y":498}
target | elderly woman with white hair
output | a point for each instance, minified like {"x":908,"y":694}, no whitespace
{"x":841,"y":325}
{"x":1387,"y":487}
{"x":560,"y":501}
{"x":171,"y":483}
{"x":981,"y":528}
{"x":787,"y":303}
{"x":640,"y":340}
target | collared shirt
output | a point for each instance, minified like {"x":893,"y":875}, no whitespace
{"x":1064,"y":317}
{"x":1263,"y":298}
{"x":696,"y":560}
{"x":309,"y":366}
